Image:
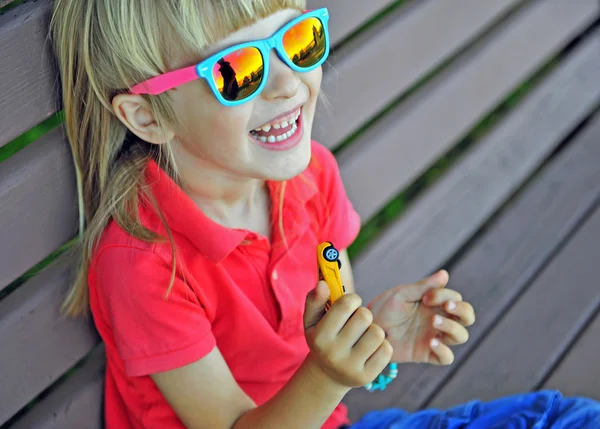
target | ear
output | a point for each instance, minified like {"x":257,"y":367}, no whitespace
{"x":135,"y":112}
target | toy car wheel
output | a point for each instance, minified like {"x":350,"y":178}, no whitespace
{"x":339,"y":264}
{"x":331,"y":254}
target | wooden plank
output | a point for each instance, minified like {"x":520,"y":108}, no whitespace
{"x":4,"y":3}
{"x":347,"y":15}
{"x":494,"y":270}
{"x":538,"y":328}
{"x":462,"y":201}
{"x":414,"y":136}
{"x":388,"y":60}
{"x":38,"y":204}
{"x":27,"y":85}
{"x":39,"y":343}
{"x":578,"y":374}
{"x":76,"y":404}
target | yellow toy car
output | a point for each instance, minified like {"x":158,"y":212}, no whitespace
{"x":329,"y":270}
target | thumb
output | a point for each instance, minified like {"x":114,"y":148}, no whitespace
{"x":415,"y":291}
{"x":314,"y":308}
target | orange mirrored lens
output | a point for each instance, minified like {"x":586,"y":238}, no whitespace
{"x":238,"y":75}
{"x":304,"y":43}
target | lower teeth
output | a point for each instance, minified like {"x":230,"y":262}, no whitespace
{"x":280,"y":138}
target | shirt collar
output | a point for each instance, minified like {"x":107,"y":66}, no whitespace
{"x":213,"y":240}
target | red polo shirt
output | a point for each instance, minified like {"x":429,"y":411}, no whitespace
{"x":242,"y":292}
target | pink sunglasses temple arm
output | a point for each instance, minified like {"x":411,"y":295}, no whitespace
{"x":162,"y":83}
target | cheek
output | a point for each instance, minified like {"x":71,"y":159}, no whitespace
{"x":192,"y":104}
{"x":203,"y":118}
{"x":231,"y":122}
{"x":313,"y":80}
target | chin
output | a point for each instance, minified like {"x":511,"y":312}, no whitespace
{"x":290,"y":164}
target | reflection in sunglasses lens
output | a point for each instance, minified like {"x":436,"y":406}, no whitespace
{"x":239,"y":74}
{"x":304,"y":43}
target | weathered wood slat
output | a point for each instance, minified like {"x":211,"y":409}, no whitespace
{"x":440,"y":221}
{"x":396,"y":151}
{"x":538,"y":328}
{"x":348,"y":15}
{"x":38,"y":343}
{"x":5,"y":2}
{"x":38,"y":204}
{"x":387,"y":61}
{"x":578,"y":374}
{"x":27,"y":85}
{"x":514,"y":247}
{"x":74,"y":405}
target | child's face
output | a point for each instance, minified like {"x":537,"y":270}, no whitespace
{"x":218,"y":139}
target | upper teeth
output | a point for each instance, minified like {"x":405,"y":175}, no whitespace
{"x":279,"y":138}
{"x":280,"y":123}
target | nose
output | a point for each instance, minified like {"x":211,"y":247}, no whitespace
{"x":282,"y":81}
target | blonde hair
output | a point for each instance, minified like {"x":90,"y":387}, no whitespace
{"x":102,"y":48}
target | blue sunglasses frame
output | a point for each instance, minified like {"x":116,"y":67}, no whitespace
{"x":203,"y":70}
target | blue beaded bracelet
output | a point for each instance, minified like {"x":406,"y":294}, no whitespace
{"x":383,"y":380}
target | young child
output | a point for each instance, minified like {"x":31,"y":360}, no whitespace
{"x":203,"y":202}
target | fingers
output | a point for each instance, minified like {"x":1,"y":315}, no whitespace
{"x":441,"y":353}
{"x":414,"y":292}
{"x":379,"y":360}
{"x":314,"y":307}
{"x":341,"y":311}
{"x":453,"y":331}
{"x":437,"y":279}
{"x":462,"y":311}
{"x":360,"y":323}
{"x":370,"y":341}
{"x":436,"y":297}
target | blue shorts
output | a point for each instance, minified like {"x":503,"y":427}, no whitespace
{"x":540,"y":410}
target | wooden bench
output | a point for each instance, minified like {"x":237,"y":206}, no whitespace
{"x":468,"y":136}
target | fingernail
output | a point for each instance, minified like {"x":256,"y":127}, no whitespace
{"x":451,"y":305}
{"x":437,"y":321}
{"x":435,"y":342}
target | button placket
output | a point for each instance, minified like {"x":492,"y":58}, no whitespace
{"x":283,"y":297}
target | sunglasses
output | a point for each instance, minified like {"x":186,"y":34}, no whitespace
{"x":239,"y":73}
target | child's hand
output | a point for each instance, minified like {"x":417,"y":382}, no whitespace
{"x":409,"y":315}
{"x":346,"y":345}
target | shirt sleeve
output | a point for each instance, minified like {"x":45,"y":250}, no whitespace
{"x":341,"y":223}
{"x":153,"y":331}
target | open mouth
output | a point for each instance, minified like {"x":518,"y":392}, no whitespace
{"x":279,"y":130}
